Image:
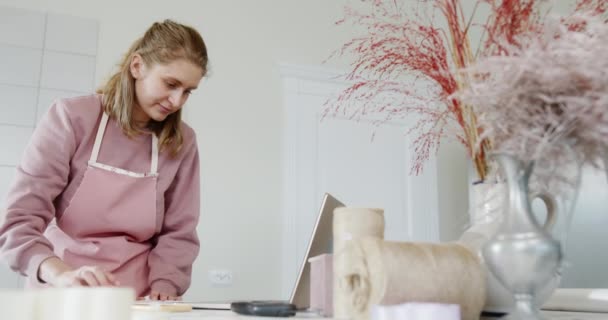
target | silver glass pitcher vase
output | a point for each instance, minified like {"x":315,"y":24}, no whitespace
{"x":522,"y":255}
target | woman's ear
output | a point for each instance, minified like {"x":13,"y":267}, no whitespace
{"x":136,"y":66}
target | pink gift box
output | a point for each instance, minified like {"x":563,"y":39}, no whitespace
{"x":321,"y":284}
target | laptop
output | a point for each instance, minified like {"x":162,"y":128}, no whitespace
{"x":319,"y":243}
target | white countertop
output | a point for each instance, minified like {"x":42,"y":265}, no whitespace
{"x":223,"y":315}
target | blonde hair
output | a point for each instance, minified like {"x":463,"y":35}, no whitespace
{"x":162,"y":43}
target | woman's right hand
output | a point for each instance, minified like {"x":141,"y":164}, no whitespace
{"x":58,"y":274}
{"x":88,"y":276}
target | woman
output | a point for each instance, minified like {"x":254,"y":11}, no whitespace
{"x":107,"y":192}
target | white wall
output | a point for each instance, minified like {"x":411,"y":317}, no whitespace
{"x":586,"y":245}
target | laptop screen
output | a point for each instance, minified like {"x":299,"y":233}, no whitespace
{"x":320,"y":242}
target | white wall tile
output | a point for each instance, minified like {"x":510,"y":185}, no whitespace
{"x":18,"y":105}
{"x":13,"y":141}
{"x":47,"y":96}
{"x":70,"y":72}
{"x":20,"y":27}
{"x":71,"y":34}
{"x":20,"y":66}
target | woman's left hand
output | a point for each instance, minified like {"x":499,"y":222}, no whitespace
{"x":155,"y":295}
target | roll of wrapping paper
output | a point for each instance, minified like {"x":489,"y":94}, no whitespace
{"x":162,"y":306}
{"x":387,"y":273}
{"x":578,"y":300}
{"x":350,"y":224}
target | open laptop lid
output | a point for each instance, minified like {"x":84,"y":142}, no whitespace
{"x":320,"y":242}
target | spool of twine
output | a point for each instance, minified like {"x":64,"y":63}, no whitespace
{"x":350,"y":224}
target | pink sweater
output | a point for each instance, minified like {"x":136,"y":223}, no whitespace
{"x":52,"y":168}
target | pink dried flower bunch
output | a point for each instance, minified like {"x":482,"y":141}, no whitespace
{"x":551,"y":91}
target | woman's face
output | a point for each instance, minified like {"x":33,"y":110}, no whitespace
{"x":162,"y":89}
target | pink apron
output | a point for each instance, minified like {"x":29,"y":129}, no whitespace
{"x":110,"y":220}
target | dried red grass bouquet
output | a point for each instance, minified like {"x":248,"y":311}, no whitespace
{"x":405,"y":66}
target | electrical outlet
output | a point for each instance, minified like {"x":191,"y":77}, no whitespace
{"x":220,"y":277}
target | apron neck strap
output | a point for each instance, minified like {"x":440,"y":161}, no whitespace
{"x":97,"y":145}
{"x":154,"y":163}
{"x":99,"y":137}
